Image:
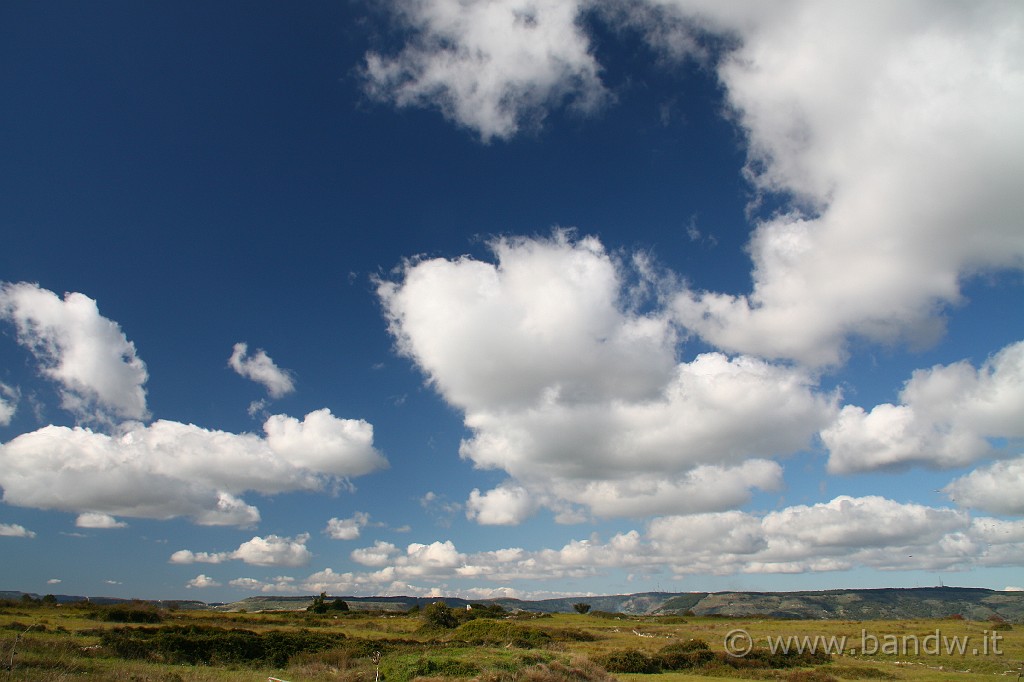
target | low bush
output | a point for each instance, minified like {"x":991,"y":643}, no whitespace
{"x":850,"y":672}
{"x":809,"y":676}
{"x":571,"y":635}
{"x":402,"y":669}
{"x":142,"y":614}
{"x":199,"y":645}
{"x":629,"y":661}
{"x":486,"y":632}
{"x":765,"y":658}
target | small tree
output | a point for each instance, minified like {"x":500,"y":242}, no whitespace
{"x":319,"y":604}
{"x":581,"y":608}
{"x":338,"y":605}
{"x":439,"y":615}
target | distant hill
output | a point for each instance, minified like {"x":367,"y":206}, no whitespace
{"x":889,"y":603}
{"x":184,"y":604}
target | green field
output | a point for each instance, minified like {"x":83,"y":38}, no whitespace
{"x":139,"y":642}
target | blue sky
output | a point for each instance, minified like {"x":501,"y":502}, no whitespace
{"x":522,"y":297}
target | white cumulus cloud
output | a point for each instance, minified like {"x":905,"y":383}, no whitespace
{"x":169,"y":469}
{"x":380,"y":554}
{"x":279,"y":585}
{"x":842,"y":534}
{"x":14,"y":530}
{"x":569,"y":388}
{"x":347,"y":529}
{"x":889,"y":127}
{"x":502,"y":506}
{"x":946,"y":417}
{"x":98,"y":520}
{"x":997,"y":488}
{"x":201,"y":581}
{"x":272,"y":550}
{"x":892,"y":126}
{"x":101,"y":378}
{"x":9,"y":397}
{"x":261,"y":369}
{"x":490,"y":65}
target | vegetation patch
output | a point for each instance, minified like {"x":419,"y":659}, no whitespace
{"x":486,"y":632}
{"x":203,"y":645}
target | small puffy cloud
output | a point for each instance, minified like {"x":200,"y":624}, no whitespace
{"x":279,"y":585}
{"x":322,"y":442}
{"x":490,"y":65}
{"x":101,"y":377}
{"x":201,"y":581}
{"x":272,"y":550}
{"x":997,"y":488}
{"x":185,"y":556}
{"x":504,"y":506}
{"x":13,"y":530}
{"x":347,"y":529}
{"x":54,"y":581}
{"x":261,"y":369}
{"x":946,"y":417}
{"x":275,"y":551}
{"x":168,"y":469}
{"x":8,"y":403}
{"x":97,"y":520}
{"x":379,"y":555}
{"x":578,"y":395}
{"x":435,"y":555}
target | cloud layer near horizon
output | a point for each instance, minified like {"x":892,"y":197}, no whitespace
{"x":844,"y":533}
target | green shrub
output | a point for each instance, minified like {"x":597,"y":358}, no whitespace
{"x":439,"y":615}
{"x":686,"y":646}
{"x":809,"y":676}
{"x":500,"y":633}
{"x":401,"y":669}
{"x":849,"y":672}
{"x":578,"y":670}
{"x":764,"y":658}
{"x":128,"y":613}
{"x":571,"y":635}
{"x":629,"y":661}
{"x":201,"y":645}
{"x":686,"y":655}
{"x":608,"y":615}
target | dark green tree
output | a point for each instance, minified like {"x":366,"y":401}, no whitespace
{"x":581,"y":608}
{"x":439,"y":615}
{"x":319,"y":604}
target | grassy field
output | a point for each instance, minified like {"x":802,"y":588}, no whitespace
{"x":138,"y":642}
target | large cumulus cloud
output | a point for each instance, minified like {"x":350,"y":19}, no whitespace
{"x":577,"y":392}
{"x":888,"y":128}
{"x":169,"y":469}
{"x":948,"y":416}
